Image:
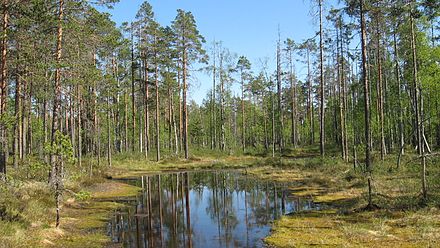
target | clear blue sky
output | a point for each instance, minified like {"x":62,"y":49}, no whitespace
{"x":246,"y":27}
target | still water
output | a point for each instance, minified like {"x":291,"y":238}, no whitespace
{"x":202,"y":209}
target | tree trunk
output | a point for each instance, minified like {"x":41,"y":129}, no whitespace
{"x":213,"y":110}
{"x":280,"y":125}
{"x":418,"y":101}
{"x":3,"y":88}
{"x":185,"y":107}
{"x":222,"y":107}
{"x":109,"y":143}
{"x":399,"y":95}
{"x":340,"y":70}
{"x":344,"y":95}
{"x":133,"y":103}
{"x":243,"y":116}
{"x":170,"y":120}
{"x":147,"y":111}
{"x":55,"y":160}
{"x":293,"y":95}
{"x":380,"y":95}
{"x":156,"y":75}
{"x":17,"y":125}
{"x":272,"y":100}
{"x":322,"y":87}
{"x":366,"y":102}
{"x":310,"y":99}
{"x":79,"y":113}
{"x":125,"y":122}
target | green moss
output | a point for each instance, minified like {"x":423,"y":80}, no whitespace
{"x":90,"y":240}
{"x":365,"y":229}
{"x":112,"y":189}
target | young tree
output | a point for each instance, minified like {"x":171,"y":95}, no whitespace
{"x":243,"y":66}
{"x":306,"y":48}
{"x":280,"y":124}
{"x":290,"y":48}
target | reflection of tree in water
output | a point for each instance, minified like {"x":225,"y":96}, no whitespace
{"x":220,"y":204}
{"x":236,"y":209}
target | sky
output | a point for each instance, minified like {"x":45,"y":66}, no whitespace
{"x":245,"y":27}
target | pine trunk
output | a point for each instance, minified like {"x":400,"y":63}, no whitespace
{"x":366,"y":102}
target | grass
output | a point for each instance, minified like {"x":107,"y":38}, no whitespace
{"x":27,"y":206}
{"x":400,"y":221}
{"x":27,"y":213}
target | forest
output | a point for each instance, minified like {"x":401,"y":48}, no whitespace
{"x":87,"y":107}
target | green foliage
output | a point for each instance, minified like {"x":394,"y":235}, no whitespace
{"x":61,"y":146}
{"x":7,"y":120}
{"x":10,"y":206}
{"x":37,"y":170}
{"x":83,"y":195}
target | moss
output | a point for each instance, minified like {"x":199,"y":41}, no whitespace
{"x":84,"y":222}
{"x":306,"y":191}
{"x":366,"y":229}
{"x":91,"y":240}
{"x":337,"y":196}
{"x":299,"y":231}
{"x":112,"y":189}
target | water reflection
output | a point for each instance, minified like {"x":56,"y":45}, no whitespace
{"x":202,"y":209}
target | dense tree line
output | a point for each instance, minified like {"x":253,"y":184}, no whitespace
{"x":74,"y":85}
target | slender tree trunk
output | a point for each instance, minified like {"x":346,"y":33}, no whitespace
{"x":24,"y":119}
{"x":72,"y":118}
{"x":94,"y":146}
{"x":214,"y":112}
{"x":118,"y":136}
{"x":3,"y":89}
{"x":279,"y":106}
{"x":29,"y":116}
{"x":380,"y":95}
{"x":176,"y":138}
{"x":310,"y":92}
{"x":366,"y":102}
{"x":265,"y":110}
{"x":179,"y":98}
{"x":340,"y":91}
{"x":147,"y":111}
{"x":109,"y":143}
{"x":399,"y":96}
{"x":243,"y":116}
{"x":418,"y":101}
{"x":293,"y":95}
{"x":344,"y":95}
{"x":156,"y":75}
{"x":170,"y":120}
{"x":322,"y":87}
{"x":133,"y":103}
{"x":79,"y":113}
{"x":222,"y":107}
{"x":55,"y":159}
{"x":273,"y":120}
{"x":17,"y":125}
{"x":125,"y":122}
{"x":185,"y":107}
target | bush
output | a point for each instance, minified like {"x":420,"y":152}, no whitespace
{"x":83,"y":195}
{"x":10,"y":205}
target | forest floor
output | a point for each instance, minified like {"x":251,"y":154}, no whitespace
{"x":400,"y":219}
{"x":27,"y":212}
